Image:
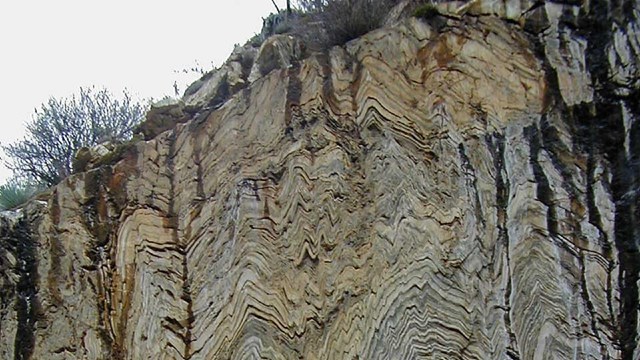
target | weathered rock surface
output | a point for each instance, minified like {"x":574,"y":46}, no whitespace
{"x":163,"y":116}
{"x":468,"y":193}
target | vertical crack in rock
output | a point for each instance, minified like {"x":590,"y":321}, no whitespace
{"x":180,"y":246}
{"x":19,"y":242}
{"x":495,"y":142}
{"x":186,"y":296}
{"x":548,"y":139}
{"x":197,"y":159}
{"x":96,"y":221}
{"x":601,"y":129}
{"x":328,"y":93}
{"x":595,"y":219}
{"x":7,"y":287}
{"x":563,"y":161}
{"x":584,"y":292}
{"x":355,"y":86}
{"x":27,"y":304}
{"x":294,"y":92}
{"x":625,"y":192}
{"x":544,"y":193}
{"x":558,"y":152}
{"x":56,"y":250}
{"x":606,"y":120}
{"x":199,"y":201}
{"x":471,"y":173}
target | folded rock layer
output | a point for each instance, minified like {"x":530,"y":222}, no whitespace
{"x":463,"y":191}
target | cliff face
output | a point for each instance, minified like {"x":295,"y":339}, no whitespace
{"x":466,"y":189}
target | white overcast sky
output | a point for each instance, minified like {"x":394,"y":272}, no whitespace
{"x":52,"y":48}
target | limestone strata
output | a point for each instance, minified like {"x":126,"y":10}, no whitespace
{"x":416,"y":193}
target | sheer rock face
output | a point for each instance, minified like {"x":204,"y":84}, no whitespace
{"x":462,"y":193}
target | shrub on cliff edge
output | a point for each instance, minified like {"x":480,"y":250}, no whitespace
{"x":335,"y":22}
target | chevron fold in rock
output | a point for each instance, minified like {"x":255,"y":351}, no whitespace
{"x":413,"y":194}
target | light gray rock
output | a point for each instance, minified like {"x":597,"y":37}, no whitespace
{"x":467,"y":191}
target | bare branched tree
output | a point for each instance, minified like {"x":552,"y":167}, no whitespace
{"x":62,"y":126}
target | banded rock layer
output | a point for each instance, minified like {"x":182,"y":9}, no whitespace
{"x":417,"y":193}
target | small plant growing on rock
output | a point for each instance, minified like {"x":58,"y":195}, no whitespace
{"x":426,"y":12}
{"x":16,"y":192}
{"x":255,"y":41}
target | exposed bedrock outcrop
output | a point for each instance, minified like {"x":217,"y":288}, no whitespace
{"x":468,"y":192}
